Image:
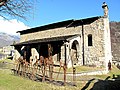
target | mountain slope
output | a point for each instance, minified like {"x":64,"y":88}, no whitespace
{"x":6,"y":39}
{"x":115,"y":40}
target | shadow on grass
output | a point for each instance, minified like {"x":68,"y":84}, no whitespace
{"x":87,"y":85}
{"x":38,"y":78}
{"x":113,"y":84}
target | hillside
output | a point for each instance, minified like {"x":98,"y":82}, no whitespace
{"x":6,"y":39}
{"x":115,"y":40}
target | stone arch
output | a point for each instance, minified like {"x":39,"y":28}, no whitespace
{"x":75,"y":52}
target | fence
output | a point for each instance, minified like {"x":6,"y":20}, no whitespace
{"x":52,"y":73}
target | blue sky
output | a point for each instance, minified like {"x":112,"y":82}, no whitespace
{"x":50,"y":11}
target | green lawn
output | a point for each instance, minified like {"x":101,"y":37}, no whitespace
{"x":8,"y":81}
{"x":11,"y":82}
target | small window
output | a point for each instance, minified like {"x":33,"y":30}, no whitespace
{"x":89,"y":40}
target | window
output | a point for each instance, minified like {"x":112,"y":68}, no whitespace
{"x":90,"y":40}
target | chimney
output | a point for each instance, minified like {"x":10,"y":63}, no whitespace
{"x":105,"y":8}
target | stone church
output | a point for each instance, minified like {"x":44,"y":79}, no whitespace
{"x":74,"y":42}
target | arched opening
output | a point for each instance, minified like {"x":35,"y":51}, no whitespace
{"x":75,"y":52}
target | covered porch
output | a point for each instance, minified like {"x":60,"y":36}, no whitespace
{"x":52,"y":52}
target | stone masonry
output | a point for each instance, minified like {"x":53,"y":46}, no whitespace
{"x":76,"y":48}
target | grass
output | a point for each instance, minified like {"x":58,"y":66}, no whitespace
{"x":7,"y":60}
{"x":84,"y":68}
{"x":11,"y":82}
{"x":1,"y":52}
{"x":114,"y":72}
{"x":79,"y":69}
{"x":8,"y":81}
{"x":6,"y":63}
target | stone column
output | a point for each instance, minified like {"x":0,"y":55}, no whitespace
{"x":107,"y":40}
{"x":62,"y":53}
{"x":34,"y":54}
{"x":67,"y":53}
{"x":17,"y":52}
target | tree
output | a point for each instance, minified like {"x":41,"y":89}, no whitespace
{"x":15,"y":8}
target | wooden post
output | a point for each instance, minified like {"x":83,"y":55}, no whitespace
{"x":74,"y":75}
{"x":65,"y":65}
{"x":50,"y":62}
{"x":18,"y":70}
{"x":43,"y":79}
{"x":83,"y":44}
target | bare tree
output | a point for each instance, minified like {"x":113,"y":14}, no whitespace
{"x":15,"y":8}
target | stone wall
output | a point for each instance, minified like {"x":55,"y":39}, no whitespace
{"x":51,"y":33}
{"x":94,"y":55}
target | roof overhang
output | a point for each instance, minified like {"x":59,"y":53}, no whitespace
{"x":67,"y":23}
{"x":47,"y":40}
